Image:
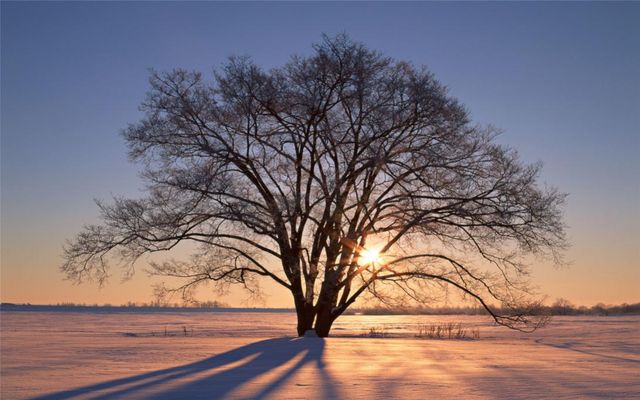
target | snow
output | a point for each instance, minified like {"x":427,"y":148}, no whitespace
{"x":71,"y":355}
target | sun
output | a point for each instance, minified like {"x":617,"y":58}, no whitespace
{"x":370,"y":256}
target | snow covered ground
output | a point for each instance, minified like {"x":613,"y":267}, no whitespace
{"x":82,"y":355}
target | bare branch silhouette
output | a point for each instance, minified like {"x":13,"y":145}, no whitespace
{"x":291,"y":173}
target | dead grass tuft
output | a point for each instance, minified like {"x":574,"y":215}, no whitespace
{"x":450,"y":330}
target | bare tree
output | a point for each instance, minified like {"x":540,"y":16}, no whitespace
{"x":340,"y":173}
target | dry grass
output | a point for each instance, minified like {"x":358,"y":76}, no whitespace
{"x":377,"y":332}
{"x":449,"y":330}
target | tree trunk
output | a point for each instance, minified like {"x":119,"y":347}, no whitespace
{"x":306,"y":314}
{"x":326,"y":306}
{"x":324,"y":320}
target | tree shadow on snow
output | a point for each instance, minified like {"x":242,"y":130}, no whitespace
{"x":218,"y":376}
{"x":572,"y":347}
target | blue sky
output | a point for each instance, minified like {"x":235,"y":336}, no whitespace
{"x":561,"y":79}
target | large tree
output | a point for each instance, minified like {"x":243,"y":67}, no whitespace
{"x":341,"y":173}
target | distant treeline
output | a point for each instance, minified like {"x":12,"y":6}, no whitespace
{"x":560,"y":307}
{"x":132,"y":308}
{"x":155,"y":304}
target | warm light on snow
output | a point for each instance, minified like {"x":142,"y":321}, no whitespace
{"x":247,"y":355}
{"x":370,"y":256}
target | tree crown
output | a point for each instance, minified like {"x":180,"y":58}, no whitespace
{"x":295,"y":172}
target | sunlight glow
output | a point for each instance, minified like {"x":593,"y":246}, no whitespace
{"x":370,"y":256}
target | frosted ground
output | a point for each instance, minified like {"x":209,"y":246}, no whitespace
{"x":82,"y":355}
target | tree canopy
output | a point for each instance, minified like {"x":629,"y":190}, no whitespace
{"x":340,"y":173}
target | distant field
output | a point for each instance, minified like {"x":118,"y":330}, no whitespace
{"x":254,"y":355}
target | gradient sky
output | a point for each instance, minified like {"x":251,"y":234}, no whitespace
{"x":561,"y":79}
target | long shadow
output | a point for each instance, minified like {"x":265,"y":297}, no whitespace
{"x":569,"y":346}
{"x":217,"y":376}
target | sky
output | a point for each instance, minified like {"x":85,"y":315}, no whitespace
{"x":561,"y":80}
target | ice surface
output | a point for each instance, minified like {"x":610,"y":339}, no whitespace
{"x":78,"y":355}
